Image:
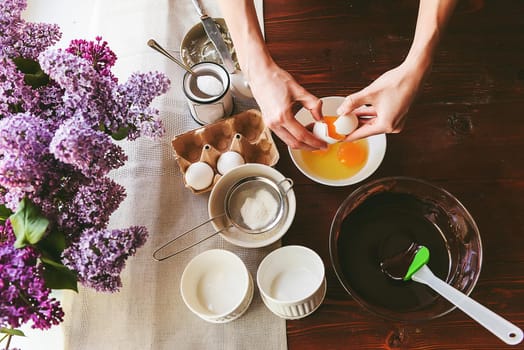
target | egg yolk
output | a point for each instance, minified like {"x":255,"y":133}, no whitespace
{"x":339,"y":161}
{"x":332,"y":130}
{"x":352,"y":154}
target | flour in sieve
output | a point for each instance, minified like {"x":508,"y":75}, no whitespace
{"x":259,"y":211}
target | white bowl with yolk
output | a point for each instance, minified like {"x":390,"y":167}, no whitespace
{"x":343,"y":163}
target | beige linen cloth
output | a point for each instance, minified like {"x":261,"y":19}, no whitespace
{"x":148,"y":312}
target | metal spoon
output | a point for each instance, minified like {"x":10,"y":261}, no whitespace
{"x":154,"y":45}
{"x":412,"y":264}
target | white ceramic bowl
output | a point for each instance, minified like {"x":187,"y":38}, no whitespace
{"x":376,"y":143}
{"x":234,"y":235}
{"x":216,"y":286}
{"x":292,"y":281}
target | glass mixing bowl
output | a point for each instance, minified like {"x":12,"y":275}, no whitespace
{"x":380,"y":219}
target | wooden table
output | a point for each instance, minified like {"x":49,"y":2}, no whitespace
{"x":465,"y":132}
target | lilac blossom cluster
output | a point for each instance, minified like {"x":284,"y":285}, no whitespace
{"x":24,"y":295}
{"x":15,"y":93}
{"x":84,"y":208}
{"x":56,"y":150}
{"x":98,"y":100}
{"x":90,"y":151}
{"x":19,"y":38}
{"x":98,"y":53}
{"x":99,"y":255}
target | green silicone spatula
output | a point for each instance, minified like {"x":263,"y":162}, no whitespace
{"x":412,"y":264}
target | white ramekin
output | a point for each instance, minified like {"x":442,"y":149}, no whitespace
{"x":292,"y":281}
{"x":216,"y":286}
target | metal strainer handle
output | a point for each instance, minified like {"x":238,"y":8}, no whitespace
{"x":157,"y":252}
{"x":289,"y":181}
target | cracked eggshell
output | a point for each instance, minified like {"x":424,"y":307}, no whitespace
{"x":346,"y":124}
{"x":320,"y":130}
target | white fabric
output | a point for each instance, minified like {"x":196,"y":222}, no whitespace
{"x":148,"y":312}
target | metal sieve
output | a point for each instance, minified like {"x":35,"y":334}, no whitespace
{"x":254,"y":205}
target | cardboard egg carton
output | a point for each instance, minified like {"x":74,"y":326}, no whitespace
{"x":244,"y":133}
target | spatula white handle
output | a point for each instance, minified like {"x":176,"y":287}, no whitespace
{"x":505,"y":330}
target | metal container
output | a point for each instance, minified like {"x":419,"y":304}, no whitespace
{"x":205,"y":108}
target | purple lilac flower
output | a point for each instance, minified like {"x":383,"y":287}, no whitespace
{"x":91,"y":206}
{"x":19,"y":181}
{"x":58,"y":185}
{"x":23,"y":295}
{"x":86,"y":92}
{"x":28,"y":169}
{"x":10,"y":22}
{"x":141,"y":88}
{"x":133,"y":99}
{"x":99,"y":256}
{"x":24,"y":134}
{"x":50,"y":105}
{"x":90,"y":151}
{"x":24,"y":155}
{"x":71,"y":72}
{"x":14,"y":93}
{"x":19,"y":38}
{"x":101,"y":57}
{"x":61,"y":183}
{"x":55,"y":151}
{"x":34,"y":38}
{"x":101,"y":101}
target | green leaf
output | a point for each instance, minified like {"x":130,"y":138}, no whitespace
{"x":47,"y":260}
{"x":29,"y":225}
{"x":5,"y":212}
{"x":11,"y":331}
{"x":118,"y":135}
{"x":34,"y":76}
{"x":58,"y":276}
{"x":121,"y":133}
{"x":52,"y":245}
{"x":16,"y":108}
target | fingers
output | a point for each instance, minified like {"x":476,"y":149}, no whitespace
{"x":314,"y":105}
{"x":297,"y":136}
{"x":285,"y":136}
{"x":293,"y":133}
{"x":304,"y":136}
{"x":351,"y":102}
{"x":365,"y":111}
{"x":372,"y":125}
{"x":366,"y":130}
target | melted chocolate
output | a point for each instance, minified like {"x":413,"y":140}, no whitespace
{"x":397,"y":266}
{"x":383,"y":226}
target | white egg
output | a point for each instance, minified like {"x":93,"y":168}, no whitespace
{"x":346,"y":124}
{"x":199,"y":175}
{"x":229,"y":160}
{"x":320,"y":130}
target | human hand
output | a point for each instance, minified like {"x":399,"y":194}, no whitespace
{"x":385,"y":102}
{"x":276,"y":91}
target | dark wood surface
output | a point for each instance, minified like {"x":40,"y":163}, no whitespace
{"x":465,"y":133}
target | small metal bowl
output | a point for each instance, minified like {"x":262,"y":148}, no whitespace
{"x":196,"y":46}
{"x":233,"y":234}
